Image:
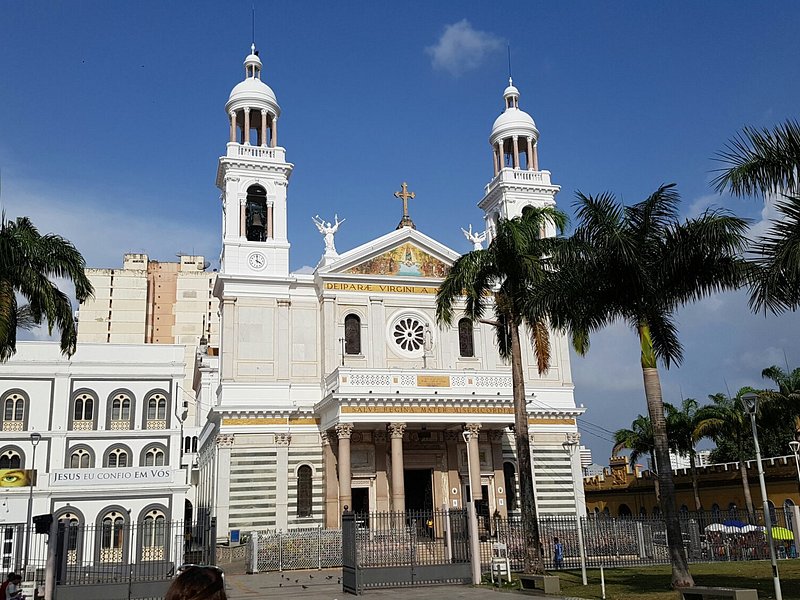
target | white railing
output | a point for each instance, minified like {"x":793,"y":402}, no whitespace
{"x":508,"y":175}
{"x":345,"y":380}
{"x":247,"y":151}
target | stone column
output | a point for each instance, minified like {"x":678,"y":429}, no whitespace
{"x":243,"y":217}
{"x":500,"y":155}
{"x":516,"y":151}
{"x":233,"y":125}
{"x":381,"y":477}
{"x":343,"y":431}
{"x":228,"y":358}
{"x":396,"y":431}
{"x":223,"y":484}
{"x":530,"y":153}
{"x":263,"y":140}
{"x":332,"y":512}
{"x":246,"y":132}
{"x":500,"y":493}
{"x":274,"y":141}
{"x":474,"y":460}
{"x":282,"y":441}
{"x":451,"y":440}
{"x":496,"y":160}
{"x":536,"y":157}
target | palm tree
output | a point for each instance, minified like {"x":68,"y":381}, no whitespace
{"x":725,"y":420}
{"x":766,"y":162}
{"x":786,"y":399}
{"x":639,"y":264}
{"x":682,"y":426}
{"x":500,"y":279}
{"x":639,"y":440}
{"x":28,"y":261}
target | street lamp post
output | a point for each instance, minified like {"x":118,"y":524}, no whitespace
{"x":35,"y":439}
{"x":571,"y":444}
{"x":472,"y":517}
{"x":750,"y":401}
{"x":794,"y":445}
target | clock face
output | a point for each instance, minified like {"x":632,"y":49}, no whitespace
{"x":257,"y":261}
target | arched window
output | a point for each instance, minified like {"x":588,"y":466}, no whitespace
{"x":684,"y":510}
{"x":194,"y":443}
{"x":732,"y":510}
{"x":157,"y":412}
{"x":642,"y":512}
{"x":773,"y":515}
{"x":788,"y":513}
{"x":256,"y":226}
{"x":112,"y":539}
{"x":72,"y":522}
{"x":117,"y":458}
{"x":187,"y":444}
{"x":715,"y":512}
{"x":304,"y":491}
{"x":83,"y":412}
{"x":510,"y":479}
{"x":466,"y":344}
{"x":14,"y":412}
{"x":352,"y":334}
{"x":154,"y":535}
{"x":80,"y":458}
{"x":120,"y":412}
{"x":10,"y":458}
{"x":154,"y":457}
{"x":624,"y":510}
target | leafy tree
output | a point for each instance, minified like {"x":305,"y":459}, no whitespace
{"x":28,"y":263}
{"x":639,"y":440}
{"x":639,"y":264}
{"x":726,"y":422}
{"x":766,"y":162}
{"x":500,"y":279}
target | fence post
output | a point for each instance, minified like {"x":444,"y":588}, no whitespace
{"x":319,"y":546}
{"x":213,"y":542}
{"x":253,"y":552}
{"x":640,"y":539}
{"x":280,"y":550}
{"x":448,"y":534}
{"x":796,"y":526}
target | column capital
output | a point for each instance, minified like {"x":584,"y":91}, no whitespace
{"x":396,"y":430}
{"x":343,"y":430}
{"x":263,"y":111}
{"x":516,"y":137}
{"x":232,"y":114}
{"x":573,"y":438}
{"x":224,"y":441}
{"x":283,"y":439}
{"x":472,"y":428}
{"x":326,"y":438}
{"x":246,"y":109}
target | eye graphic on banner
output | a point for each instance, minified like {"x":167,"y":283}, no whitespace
{"x":17,"y":478}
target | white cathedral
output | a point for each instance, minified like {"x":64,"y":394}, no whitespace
{"x":335,"y":388}
{"x":290,"y":396}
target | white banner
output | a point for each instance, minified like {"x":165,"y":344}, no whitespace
{"x":115,"y":477}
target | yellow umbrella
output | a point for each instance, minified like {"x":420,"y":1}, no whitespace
{"x":781,"y":533}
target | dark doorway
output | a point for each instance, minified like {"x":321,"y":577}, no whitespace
{"x":360,"y":500}
{"x":419,"y":489}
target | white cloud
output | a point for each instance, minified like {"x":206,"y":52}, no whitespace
{"x":462,"y":48}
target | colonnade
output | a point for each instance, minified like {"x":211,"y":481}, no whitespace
{"x":531,"y":153}
{"x":268,"y":124}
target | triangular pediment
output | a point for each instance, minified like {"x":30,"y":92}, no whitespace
{"x":402,"y":253}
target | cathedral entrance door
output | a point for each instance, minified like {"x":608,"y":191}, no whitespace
{"x":360,"y":500}
{"x":419,"y":489}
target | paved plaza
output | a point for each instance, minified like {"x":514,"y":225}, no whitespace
{"x":326,"y":585}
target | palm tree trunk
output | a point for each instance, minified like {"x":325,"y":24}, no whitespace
{"x":695,"y":487}
{"x":530,"y":522}
{"x":748,"y":498}
{"x":654,"y":469}
{"x":655,"y":406}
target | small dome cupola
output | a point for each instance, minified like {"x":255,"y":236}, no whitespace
{"x":252,"y":107}
{"x":514,"y":136}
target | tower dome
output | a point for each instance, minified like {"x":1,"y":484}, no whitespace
{"x":514,"y":136}
{"x":252,"y":106}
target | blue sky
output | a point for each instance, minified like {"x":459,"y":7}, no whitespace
{"x":112,"y":120}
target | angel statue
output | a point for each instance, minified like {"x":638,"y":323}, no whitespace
{"x":328,"y":231}
{"x":476,"y":238}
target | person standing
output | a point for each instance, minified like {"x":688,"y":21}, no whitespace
{"x":558,"y":553}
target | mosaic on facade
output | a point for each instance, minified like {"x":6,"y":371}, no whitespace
{"x":404,"y":261}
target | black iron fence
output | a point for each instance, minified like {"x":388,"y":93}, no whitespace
{"x":112,"y":552}
{"x":629,"y":541}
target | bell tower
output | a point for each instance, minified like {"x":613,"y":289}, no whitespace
{"x":254,"y":176}
{"x":518,"y":182}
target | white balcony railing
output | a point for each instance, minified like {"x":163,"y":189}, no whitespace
{"x":508,"y":175}
{"x":413,"y":382}
{"x":260,"y":152}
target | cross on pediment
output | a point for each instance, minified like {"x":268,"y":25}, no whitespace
{"x":404,"y":195}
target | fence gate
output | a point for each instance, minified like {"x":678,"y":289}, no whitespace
{"x":122,"y":561}
{"x":397,"y":549}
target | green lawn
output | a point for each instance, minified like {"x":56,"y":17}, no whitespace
{"x":652,"y":583}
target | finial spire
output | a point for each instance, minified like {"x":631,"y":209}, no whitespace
{"x":253,"y":38}
{"x":509,"y":64}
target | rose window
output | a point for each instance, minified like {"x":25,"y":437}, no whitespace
{"x":409,"y":334}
